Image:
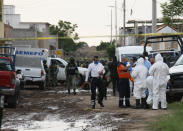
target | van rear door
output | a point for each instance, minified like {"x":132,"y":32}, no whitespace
{"x":30,"y":66}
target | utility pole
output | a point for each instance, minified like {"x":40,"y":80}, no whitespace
{"x":154,"y":20}
{"x":111,"y":26}
{"x":116,"y":23}
{"x":124,"y":19}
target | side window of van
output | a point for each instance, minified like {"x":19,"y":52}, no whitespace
{"x":60,"y":64}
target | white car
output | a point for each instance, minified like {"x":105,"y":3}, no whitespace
{"x":62,"y":65}
{"x":176,"y":80}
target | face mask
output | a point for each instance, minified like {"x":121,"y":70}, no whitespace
{"x":96,"y":62}
{"x":125,"y":63}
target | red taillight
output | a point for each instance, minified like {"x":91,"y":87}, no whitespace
{"x":42,"y":73}
{"x":13,"y":80}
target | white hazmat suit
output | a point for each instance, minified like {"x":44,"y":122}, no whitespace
{"x":159,"y":71}
{"x":139,"y":74}
{"x":149,"y":84}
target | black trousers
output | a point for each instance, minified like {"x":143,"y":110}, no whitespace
{"x":114,"y":84}
{"x":124,"y":88}
{"x":97,"y":83}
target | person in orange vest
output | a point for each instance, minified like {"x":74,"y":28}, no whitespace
{"x":123,"y":85}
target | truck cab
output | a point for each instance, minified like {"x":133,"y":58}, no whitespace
{"x":175,"y":88}
{"x":9,"y":83}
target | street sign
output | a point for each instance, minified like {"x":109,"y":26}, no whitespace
{"x":59,"y":52}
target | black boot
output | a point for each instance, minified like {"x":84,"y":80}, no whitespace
{"x":121,"y":104}
{"x":127,"y":102}
{"x":101,"y":104}
{"x":93,"y":104}
{"x":137,"y":104}
{"x":69,"y":92}
{"x":144,"y":104}
{"x":74,"y":92}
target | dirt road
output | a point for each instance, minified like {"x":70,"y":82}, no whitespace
{"x":55,"y":110}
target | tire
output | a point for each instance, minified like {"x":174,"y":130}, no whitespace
{"x":42,"y":85}
{"x":174,"y":98}
{"x":22,"y":85}
{"x":14,"y":100}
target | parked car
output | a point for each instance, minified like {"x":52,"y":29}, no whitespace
{"x":176,"y":79}
{"x":9,"y":83}
{"x":62,"y":65}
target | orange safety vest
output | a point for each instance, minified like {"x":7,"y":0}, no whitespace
{"x":122,"y":73}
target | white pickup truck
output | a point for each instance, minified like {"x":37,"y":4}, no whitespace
{"x":29,"y":61}
{"x":62,"y":64}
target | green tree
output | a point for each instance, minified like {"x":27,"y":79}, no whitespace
{"x":110,"y":51}
{"x":65,"y":29}
{"x":81,"y":45}
{"x":108,"y":48}
{"x":171,"y":10}
{"x":104,"y":45}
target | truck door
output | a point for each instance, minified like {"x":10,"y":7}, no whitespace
{"x":61,"y":74}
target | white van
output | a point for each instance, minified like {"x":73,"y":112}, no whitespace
{"x":130,"y":51}
{"x":30,"y":62}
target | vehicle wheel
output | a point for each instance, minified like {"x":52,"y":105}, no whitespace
{"x":42,"y":85}
{"x":173,"y":97}
{"x":14,"y":100}
{"x":22,"y":85}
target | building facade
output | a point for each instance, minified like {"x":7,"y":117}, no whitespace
{"x":26,"y":29}
{"x":1,"y":19}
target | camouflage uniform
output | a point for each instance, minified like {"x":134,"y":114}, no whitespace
{"x":71,"y":78}
{"x":53,"y":71}
{"x":46,"y":70}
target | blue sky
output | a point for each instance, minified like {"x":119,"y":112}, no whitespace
{"x":91,"y":16}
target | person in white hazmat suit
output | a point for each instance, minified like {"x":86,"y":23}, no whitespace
{"x":149,"y":85}
{"x":139,"y":74}
{"x":159,"y":71}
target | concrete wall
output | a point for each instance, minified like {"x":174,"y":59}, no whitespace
{"x":25,"y":33}
{"x":1,"y":20}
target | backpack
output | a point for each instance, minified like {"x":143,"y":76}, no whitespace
{"x":72,"y":68}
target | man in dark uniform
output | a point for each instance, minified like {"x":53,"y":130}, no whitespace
{"x":97,"y":70}
{"x":114,"y":74}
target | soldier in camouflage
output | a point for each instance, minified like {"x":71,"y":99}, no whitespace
{"x":71,"y":75}
{"x":53,"y":71}
{"x":46,"y":70}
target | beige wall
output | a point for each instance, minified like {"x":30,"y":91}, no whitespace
{"x":1,"y":21}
